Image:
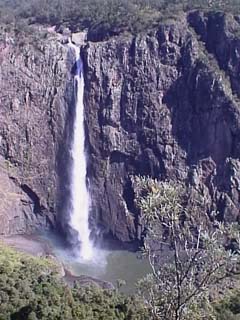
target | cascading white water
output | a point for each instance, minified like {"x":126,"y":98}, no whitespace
{"x":79,"y":194}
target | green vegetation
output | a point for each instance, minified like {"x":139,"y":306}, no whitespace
{"x":103,"y":18}
{"x":195,"y":263}
{"x":229,"y":308}
{"x":30,"y":289}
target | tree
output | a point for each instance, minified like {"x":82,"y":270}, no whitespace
{"x":195,"y":257}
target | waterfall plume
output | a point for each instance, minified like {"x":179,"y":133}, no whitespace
{"x":80,"y":198}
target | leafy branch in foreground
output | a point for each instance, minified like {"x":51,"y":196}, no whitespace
{"x":195,"y":259}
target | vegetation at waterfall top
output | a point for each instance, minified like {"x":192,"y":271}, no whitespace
{"x":103,"y":18}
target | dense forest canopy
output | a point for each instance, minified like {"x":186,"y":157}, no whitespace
{"x":113,"y":16}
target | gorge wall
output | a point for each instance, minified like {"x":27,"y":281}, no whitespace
{"x":35,"y":105}
{"x":164,"y":103}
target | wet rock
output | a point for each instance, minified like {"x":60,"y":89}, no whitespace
{"x":86,"y":281}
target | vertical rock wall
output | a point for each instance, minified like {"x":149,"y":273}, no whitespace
{"x":35,"y":103}
{"x":160,"y":104}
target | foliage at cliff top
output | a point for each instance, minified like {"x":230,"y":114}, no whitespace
{"x":103,"y":18}
{"x":31,"y":289}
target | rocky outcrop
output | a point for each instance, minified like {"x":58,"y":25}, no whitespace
{"x":220,"y":34}
{"x":162,"y":104}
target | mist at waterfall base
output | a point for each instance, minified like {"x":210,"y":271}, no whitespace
{"x":85,"y":258}
{"x":107,"y":264}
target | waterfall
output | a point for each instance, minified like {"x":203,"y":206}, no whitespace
{"x":80,"y":199}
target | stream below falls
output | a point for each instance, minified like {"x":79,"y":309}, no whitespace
{"x":106,"y":265}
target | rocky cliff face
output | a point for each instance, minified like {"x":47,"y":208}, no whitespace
{"x":164,"y":104}
{"x":35,"y":103}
